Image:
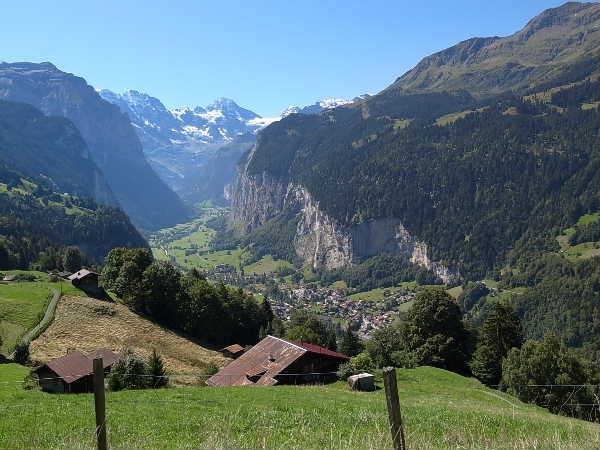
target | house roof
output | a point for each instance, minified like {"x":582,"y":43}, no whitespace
{"x":81,"y":274}
{"x":269,"y":358}
{"x":233,"y":348}
{"x":76,"y":365}
{"x":313,"y":348}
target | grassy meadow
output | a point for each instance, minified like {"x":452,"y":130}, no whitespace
{"x":441,"y":410}
{"x":23,"y":303}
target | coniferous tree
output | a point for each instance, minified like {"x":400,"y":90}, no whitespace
{"x":350,"y":344}
{"x":500,"y":332}
{"x":157,"y":374}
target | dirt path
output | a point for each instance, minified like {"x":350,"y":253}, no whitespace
{"x":48,"y":316}
{"x":43,"y":324}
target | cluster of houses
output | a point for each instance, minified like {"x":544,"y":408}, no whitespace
{"x":370,"y":315}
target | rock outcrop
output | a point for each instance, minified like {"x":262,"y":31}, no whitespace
{"x":320,"y":240}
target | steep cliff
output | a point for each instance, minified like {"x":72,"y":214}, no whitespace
{"x":110,"y":138}
{"x":321,"y":240}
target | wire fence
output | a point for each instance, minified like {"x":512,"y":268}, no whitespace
{"x":150,"y":417}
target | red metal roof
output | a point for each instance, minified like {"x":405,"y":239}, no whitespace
{"x":233,"y":348}
{"x":314,"y":348}
{"x":76,"y":365}
{"x":269,"y":358}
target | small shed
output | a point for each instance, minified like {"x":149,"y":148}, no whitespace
{"x":73,"y":372}
{"x":64,"y":275}
{"x":280,"y":361}
{"x":85,"y":278}
{"x":233,"y":351}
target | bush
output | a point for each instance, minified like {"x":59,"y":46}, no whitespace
{"x":363,"y":363}
{"x":22,"y":353}
{"x":129,"y":372}
{"x":210,"y":369}
{"x":345,"y":370}
{"x":359,"y":364}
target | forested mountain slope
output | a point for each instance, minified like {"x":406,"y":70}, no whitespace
{"x":47,"y":186}
{"x":50,"y":149}
{"x":451,"y":179}
{"x":110,"y":138}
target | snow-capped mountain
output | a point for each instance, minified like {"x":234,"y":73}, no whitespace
{"x":219,"y":122}
{"x":321,"y":105}
{"x":183,"y":144}
{"x":178,"y":142}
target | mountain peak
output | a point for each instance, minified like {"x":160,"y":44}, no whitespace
{"x":557,"y":37}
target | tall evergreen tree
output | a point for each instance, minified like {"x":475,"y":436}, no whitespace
{"x":500,"y":332}
{"x":350,"y":344}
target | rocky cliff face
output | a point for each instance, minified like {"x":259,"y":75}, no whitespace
{"x":321,"y":240}
{"x":110,"y":138}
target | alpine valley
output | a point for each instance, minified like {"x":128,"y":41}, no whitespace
{"x":447,"y":226}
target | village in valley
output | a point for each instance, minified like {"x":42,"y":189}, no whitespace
{"x":364,"y":315}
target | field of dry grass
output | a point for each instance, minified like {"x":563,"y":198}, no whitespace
{"x":85,"y":324}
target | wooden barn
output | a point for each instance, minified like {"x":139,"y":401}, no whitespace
{"x":279,"y":361}
{"x":233,"y":351}
{"x":85,"y":278}
{"x":73,"y":372}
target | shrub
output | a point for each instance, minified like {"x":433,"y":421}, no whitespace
{"x":22,"y":353}
{"x":129,"y":372}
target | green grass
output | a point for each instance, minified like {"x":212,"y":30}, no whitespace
{"x":455,"y":291}
{"x":582,"y":251}
{"x":266,"y":265}
{"x":588,"y":218}
{"x":377,"y":294}
{"x":440,"y":410}
{"x":22,"y":305}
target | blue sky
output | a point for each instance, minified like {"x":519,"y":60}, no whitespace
{"x":265,"y":55}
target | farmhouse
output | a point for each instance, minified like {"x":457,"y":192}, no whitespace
{"x":85,"y":278}
{"x":279,"y":361}
{"x":233,"y":351}
{"x":74,"y":371}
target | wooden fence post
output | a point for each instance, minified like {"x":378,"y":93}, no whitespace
{"x":100,"y":404}
{"x":393,"y":406}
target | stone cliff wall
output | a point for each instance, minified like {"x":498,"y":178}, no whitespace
{"x":320,"y":240}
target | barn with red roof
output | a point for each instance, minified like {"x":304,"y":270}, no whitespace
{"x":279,"y":361}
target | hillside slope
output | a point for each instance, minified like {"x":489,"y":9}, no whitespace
{"x":110,"y":138}
{"x":87,"y":324}
{"x":554,"y":47}
{"x":440,"y":410}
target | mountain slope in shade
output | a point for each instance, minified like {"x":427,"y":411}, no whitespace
{"x":109,"y":136}
{"x":48,"y":184}
{"x":50,"y":150}
{"x":552,"y":48}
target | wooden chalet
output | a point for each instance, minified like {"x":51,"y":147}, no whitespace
{"x":233,"y":351}
{"x":85,"y":278}
{"x":73,"y":372}
{"x":279,"y":361}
